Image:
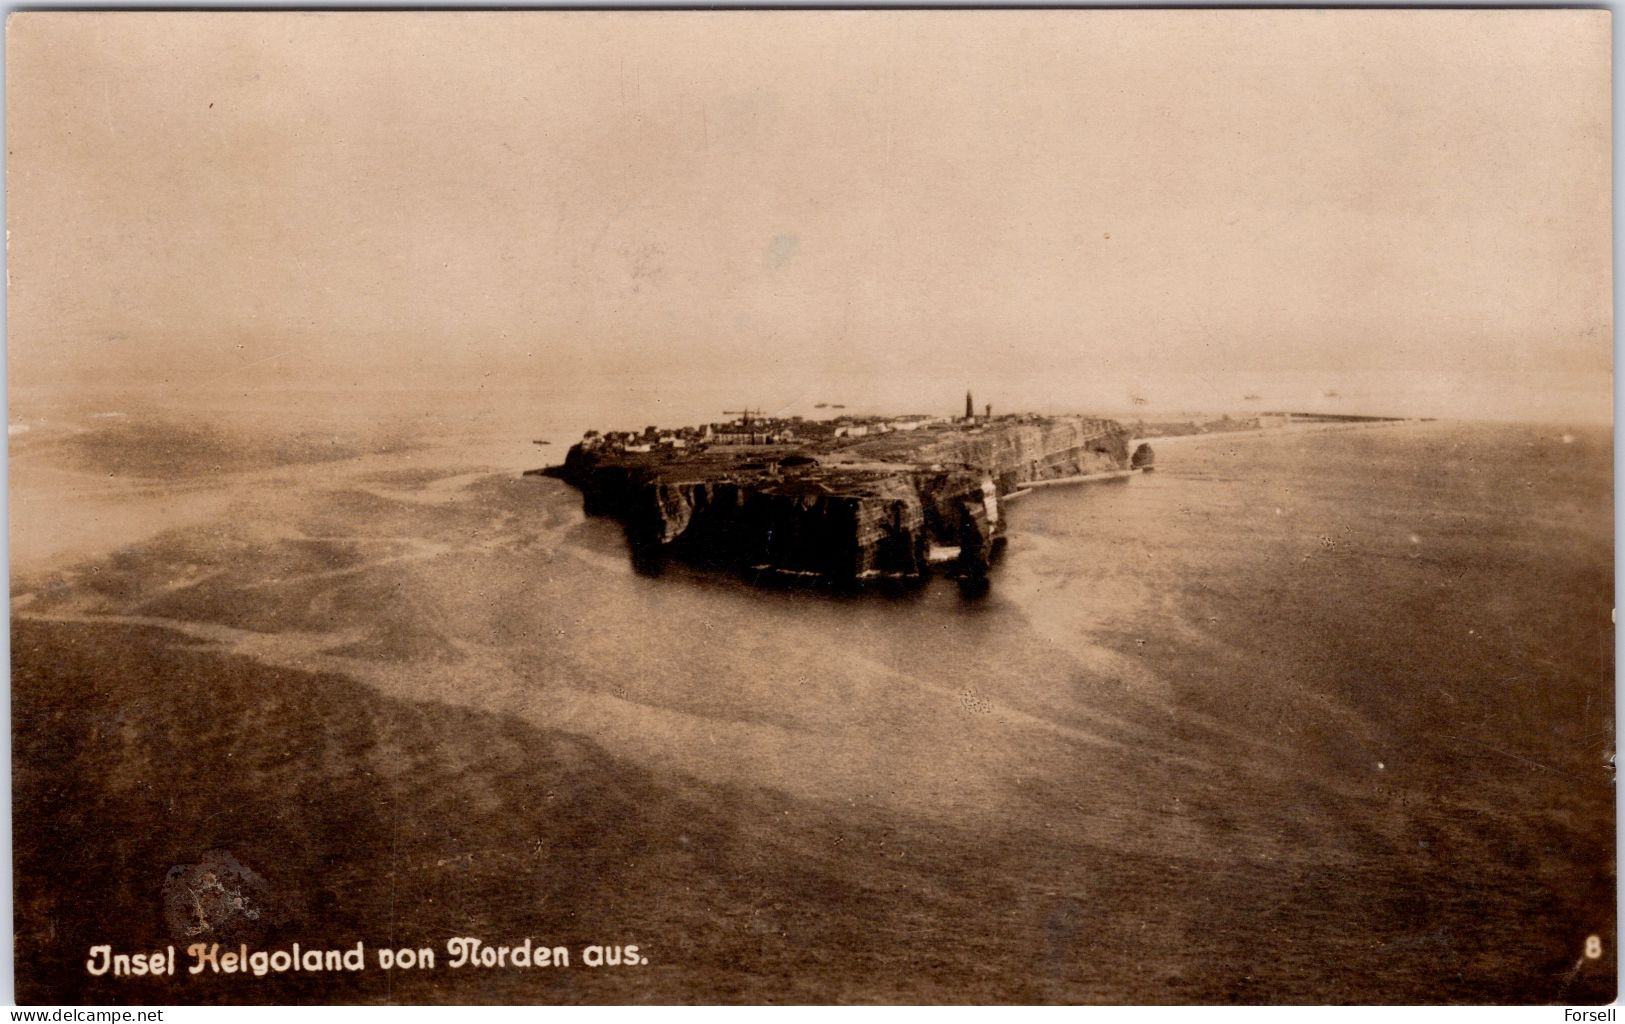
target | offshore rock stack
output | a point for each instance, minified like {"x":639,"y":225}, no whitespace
{"x":839,"y":502}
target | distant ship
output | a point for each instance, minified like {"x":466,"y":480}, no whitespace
{"x":821,"y":405}
{"x":1249,"y":398}
{"x":1331,"y":393}
{"x":1137,"y":400}
{"x":837,"y":407}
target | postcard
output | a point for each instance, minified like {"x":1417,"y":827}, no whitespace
{"x":811,"y":506}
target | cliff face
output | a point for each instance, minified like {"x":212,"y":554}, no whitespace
{"x":1017,"y":453}
{"x":837,"y":530}
{"x":885,"y":506}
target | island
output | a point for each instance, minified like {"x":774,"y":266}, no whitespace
{"x":845,"y":501}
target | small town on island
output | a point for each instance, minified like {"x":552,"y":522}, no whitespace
{"x":849,"y":500}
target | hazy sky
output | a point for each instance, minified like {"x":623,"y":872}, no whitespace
{"x":767,"y":199}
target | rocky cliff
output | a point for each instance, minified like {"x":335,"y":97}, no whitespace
{"x":885,"y":506}
{"x":1016,"y":452}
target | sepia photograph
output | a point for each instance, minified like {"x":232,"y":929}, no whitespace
{"x":811,"y":506}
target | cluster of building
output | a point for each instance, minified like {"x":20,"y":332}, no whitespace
{"x":746,"y":430}
{"x":752,"y":428}
{"x":863,"y":426}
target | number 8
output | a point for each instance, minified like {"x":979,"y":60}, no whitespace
{"x":1593,"y":947}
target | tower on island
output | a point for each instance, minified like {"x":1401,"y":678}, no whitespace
{"x":970,"y":407}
